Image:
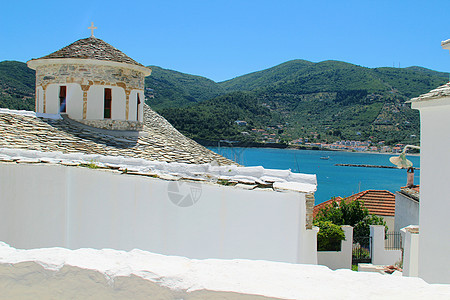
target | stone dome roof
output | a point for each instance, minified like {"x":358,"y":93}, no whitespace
{"x":92,"y":48}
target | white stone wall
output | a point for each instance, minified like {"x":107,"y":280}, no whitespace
{"x":74,"y":100}
{"x":133,"y":106}
{"x":434,"y":245}
{"x":73,"y":207}
{"x":96,"y":102}
{"x":39,"y":99}
{"x":52,"y":99}
{"x":118,"y":104}
{"x":410,"y":237}
{"x":74,"y":106}
{"x":87,"y":72}
{"x":406,"y":211}
{"x":339,"y":259}
{"x":381,"y":256}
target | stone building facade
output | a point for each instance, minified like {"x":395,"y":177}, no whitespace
{"x":93,"y":83}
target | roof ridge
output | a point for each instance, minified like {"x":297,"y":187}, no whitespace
{"x":92,"y":48}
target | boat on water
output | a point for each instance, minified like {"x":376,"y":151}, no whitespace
{"x":324,"y":157}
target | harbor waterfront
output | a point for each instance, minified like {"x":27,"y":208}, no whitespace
{"x":332,"y":180}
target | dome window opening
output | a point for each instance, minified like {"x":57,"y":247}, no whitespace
{"x":62,"y":99}
{"x":107,"y":104}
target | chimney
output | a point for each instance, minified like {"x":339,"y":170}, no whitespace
{"x":410,"y":177}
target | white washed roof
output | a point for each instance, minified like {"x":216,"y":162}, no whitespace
{"x":59,"y":273}
{"x":250,"y":177}
{"x":442,"y":91}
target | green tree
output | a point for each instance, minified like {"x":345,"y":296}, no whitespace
{"x":329,"y":237}
{"x":352,"y":213}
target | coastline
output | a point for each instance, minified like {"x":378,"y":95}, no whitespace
{"x":292,"y":147}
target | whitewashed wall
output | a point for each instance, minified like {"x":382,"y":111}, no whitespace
{"x":52,"y":205}
{"x":74,"y":101}
{"x":133,"y":105}
{"x":339,"y":259}
{"x":118,"y":105}
{"x":434,"y":245}
{"x":96,"y":101}
{"x":381,"y":256}
{"x":40,"y":99}
{"x":406,"y":211}
{"x":410,"y":236}
{"x":52,"y":99}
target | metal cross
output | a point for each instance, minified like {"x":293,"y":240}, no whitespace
{"x":92,"y":29}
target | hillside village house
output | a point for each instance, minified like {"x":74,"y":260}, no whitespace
{"x":95,"y":167}
{"x":407,"y":207}
{"x":378,"y":202}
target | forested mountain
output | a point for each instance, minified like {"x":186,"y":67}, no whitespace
{"x":324,"y":101}
{"x":329,"y":101}
{"x":302,"y":77}
{"x":17,"y":85}
{"x":214,"y":119}
{"x":167,"y":88}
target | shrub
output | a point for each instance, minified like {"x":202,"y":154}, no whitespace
{"x":329,"y":237}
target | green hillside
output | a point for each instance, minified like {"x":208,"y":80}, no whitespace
{"x":302,"y":77}
{"x":214,"y":119}
{"x":266,"y":77}
{"x":17,"y":84}
{"x":317,"y":102}
{"x":167,"y":88}
{"x":334,"y":100}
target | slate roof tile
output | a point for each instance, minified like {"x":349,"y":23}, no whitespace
{"x":159,"y":140}
{"x":92,"y":48}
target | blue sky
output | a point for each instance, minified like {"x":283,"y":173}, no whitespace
{"x":224,"y":39}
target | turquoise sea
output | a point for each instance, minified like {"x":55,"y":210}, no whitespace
{"x":332,"y":180}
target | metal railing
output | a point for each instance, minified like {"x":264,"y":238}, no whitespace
{"x":362,"y":250}
{"x":393,"y":241}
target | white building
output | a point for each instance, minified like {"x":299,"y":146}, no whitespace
{"x":434,"y":231}
{"x":406,"y":207}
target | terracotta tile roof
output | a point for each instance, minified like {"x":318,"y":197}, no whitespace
{"x":318,"y":207}
{"x":158,"y":141}
{"x":378,"y":202}
{"x":92,"y":48}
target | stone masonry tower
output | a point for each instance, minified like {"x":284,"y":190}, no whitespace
{"x":93,"y":83}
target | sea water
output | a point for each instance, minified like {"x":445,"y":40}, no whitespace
{"x":332,"y":180}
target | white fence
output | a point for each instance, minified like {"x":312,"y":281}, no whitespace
{"x":381,"y":256}
{"x":339,"y":259}
{"x":410,"y":235}
{"x":343,"y":259}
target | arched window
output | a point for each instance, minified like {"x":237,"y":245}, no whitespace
{"x":62,"y":99}
{"x":107,"y":104}
{"x":138,"y":102}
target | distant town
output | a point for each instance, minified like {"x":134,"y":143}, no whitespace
{"x":274,"y":135}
